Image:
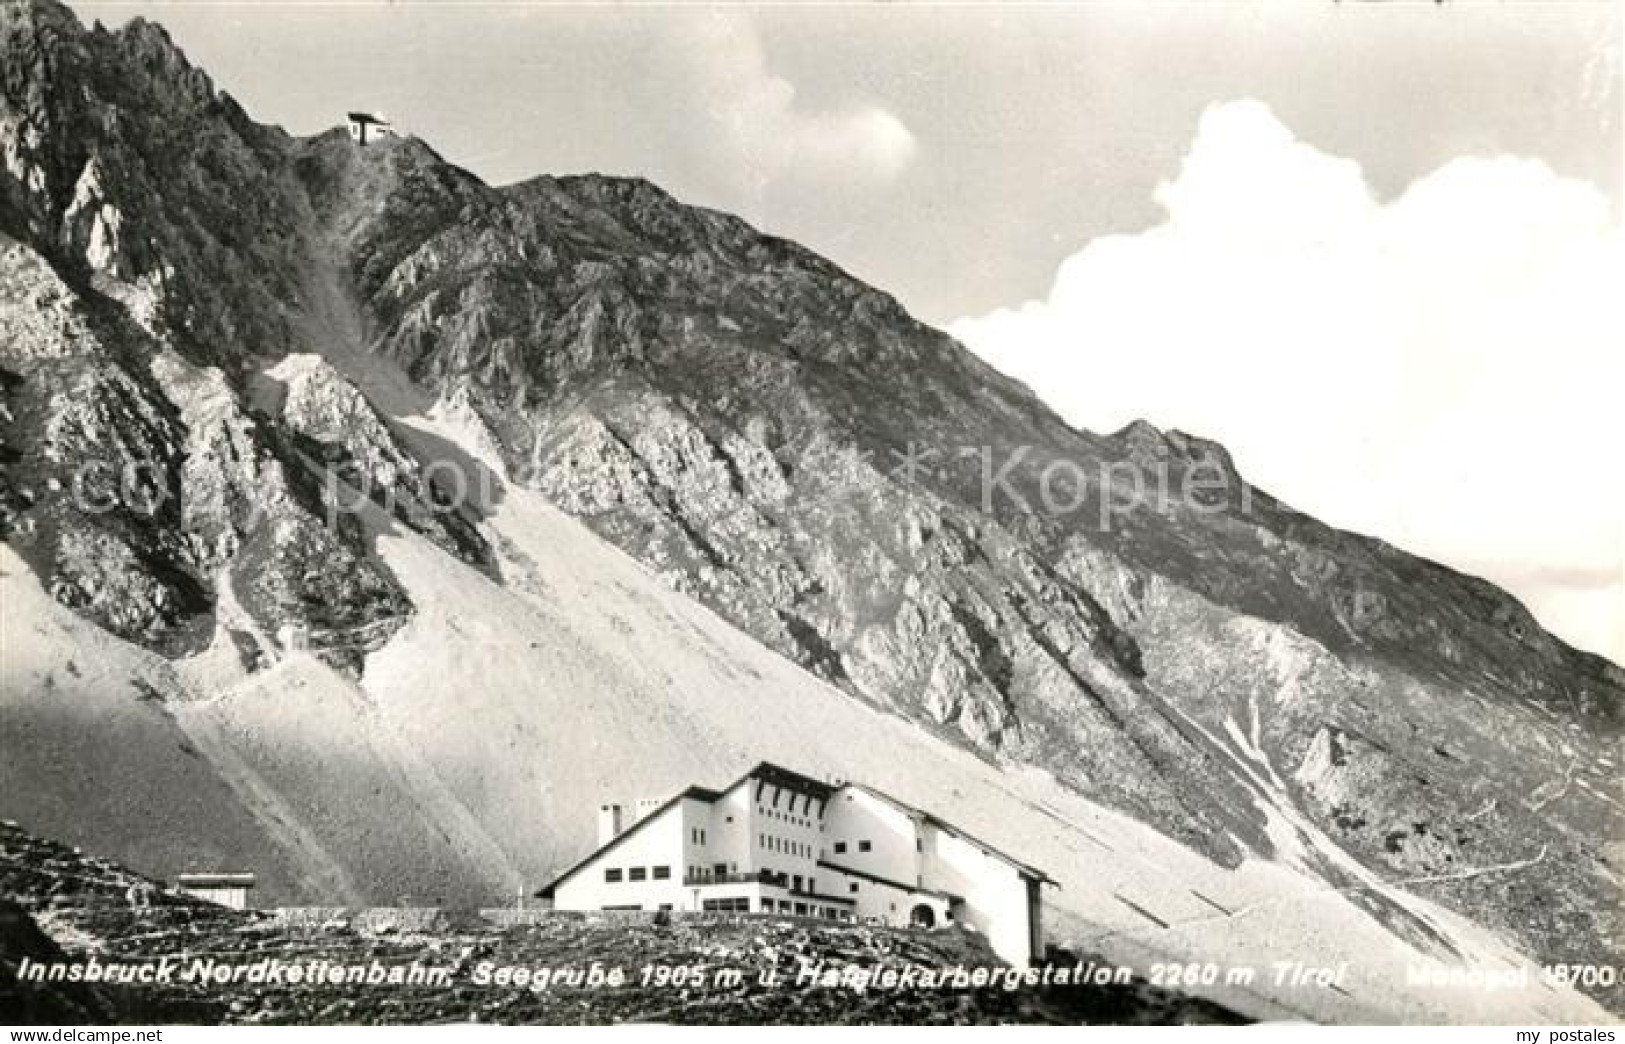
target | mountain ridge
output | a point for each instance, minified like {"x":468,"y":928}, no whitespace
{"x":732,"y":411}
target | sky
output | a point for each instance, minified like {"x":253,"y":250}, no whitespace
{"x":1368,"y":246}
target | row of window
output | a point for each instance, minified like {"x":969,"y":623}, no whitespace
{"x":793,"y":880}
{"x":698,"y":835}
{"x":831,"y":913}
{"x":741,"y":904}
{"x":616,"y":874}
{"x":863,"y":846}
{"x":785,"y":845}
{"x":773,"y":813}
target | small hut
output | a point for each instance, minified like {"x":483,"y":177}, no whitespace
{"x":226,"y":889}
{"x":368,"y":127}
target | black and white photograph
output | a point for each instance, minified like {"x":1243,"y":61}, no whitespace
{"x":850,"y":513}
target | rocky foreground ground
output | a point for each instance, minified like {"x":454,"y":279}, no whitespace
{"x":60,"y":906}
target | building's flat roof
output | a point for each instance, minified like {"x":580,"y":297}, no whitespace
{"x":366,"y":117}
{"x":877,"y":879}
{"x":242,"y":880}
{"x":822,"y":898}
{"x":760,"y":877}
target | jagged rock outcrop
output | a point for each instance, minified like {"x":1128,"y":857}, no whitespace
{"x":359,"y":454}
{"x":154,"y":248}
{"x":138,"y":484}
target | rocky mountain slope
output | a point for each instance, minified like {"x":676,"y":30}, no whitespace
{"x":203,"y":329}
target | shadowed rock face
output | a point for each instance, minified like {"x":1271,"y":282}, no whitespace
{"x":775,"y":439}
{"x":155,"y":250}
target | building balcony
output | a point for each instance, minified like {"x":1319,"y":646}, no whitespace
{"x":763,"y":877}
{"x":700,"y":880}
{"x":745,"y":877}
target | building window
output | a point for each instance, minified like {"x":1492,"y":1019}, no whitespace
{"x":864,"y":846}
{"x":662,"y":873}
{"x":637,"y":873}
{"x":840,"y":848}
{"x":612,"y":875}
{"x":853,"y":887}
{"x":919,"y":844}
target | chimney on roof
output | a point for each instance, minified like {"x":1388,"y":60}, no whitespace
{"x":611,"y":821}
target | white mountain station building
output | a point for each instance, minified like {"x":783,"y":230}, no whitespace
{"x":780,"y":842}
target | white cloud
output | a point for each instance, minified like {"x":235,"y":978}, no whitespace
{"x":760,"y":132}
{"x":1445,"y":370}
